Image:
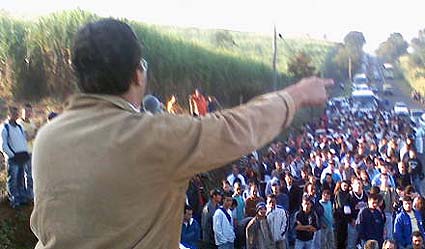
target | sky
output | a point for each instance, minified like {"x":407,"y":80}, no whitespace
{"x":376,"y":19}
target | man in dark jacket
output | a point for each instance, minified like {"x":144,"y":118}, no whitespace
{"x":295,"y":195}
{"x":306,"y":225}
{"x":207,"y":214}
{"x":371,"y":221}
{"x":191,"y":231}
{"x":414,"y":167}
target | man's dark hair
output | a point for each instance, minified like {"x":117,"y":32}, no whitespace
{"x":12,"y":109}
{"x":326,"y":192}
{"x":409,"y":189}
{"x":371,"y":244}
{"x":227,"y":195}
{"x":28,"y":105}
{"x":187,"y":207}
{"x":417,"y":234}
{"x":215,"y":192}
{"x":271,"y":196}
{"x":105,"y":55}
{"x":407,"y":198}
{"x":373,"y":197}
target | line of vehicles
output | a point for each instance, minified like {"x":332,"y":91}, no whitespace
{"x":364,"y":98}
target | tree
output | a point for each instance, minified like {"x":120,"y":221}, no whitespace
{"x":392,"y":48}
{"x":354,"y":40}
{"x":417,"y":57}
{"x":301,"y":66}
{"x":336,"y":63}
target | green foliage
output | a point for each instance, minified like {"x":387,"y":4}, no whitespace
{"x":418,"y":44}
{"x":336,"y":64}
{"x":14,"y":230}
{"x":36,"y":56}
{"x":301,"y":66}
{"x":223,"y":38}
{"x":354,"y":40}
{"x":392,"y":48}
{"x":7,"y":229}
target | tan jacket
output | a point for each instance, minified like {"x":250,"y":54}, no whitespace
{"x":106,"y":176}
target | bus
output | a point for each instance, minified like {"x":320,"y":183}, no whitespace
{"x":364,"y":100}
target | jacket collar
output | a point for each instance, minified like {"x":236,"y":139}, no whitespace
{"x":81,"y":100}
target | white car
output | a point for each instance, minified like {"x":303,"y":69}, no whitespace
{"x":400,"y":108}
{"x":358,"y":87}
{"x":415,"y":114}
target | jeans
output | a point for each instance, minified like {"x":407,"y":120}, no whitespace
{"x":317,"y":242}
{"x":14,"y":184}
{"x":388,"y":225}
{"x":327,"y":238}
{"x":417,"y":184}
{"x":19,"y":183}
{"x":291,"y":231}
{"x":341,"y":233}
{"x":280,"y":244}
{"x":28,"y":182}
{"x":228,"y":245}
{"x":352,"y":236}
{"x":299,"y":244}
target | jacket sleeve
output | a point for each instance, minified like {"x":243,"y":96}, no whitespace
{"x":4,"y":143}
{"x":285,"y":223}
{"x":361,"y":225}
{"x":217,"y":226}
{"x":196,"y":145}
{"x":197,"y":229}
{"x":398,"y":230}
{"x":250,"y":234}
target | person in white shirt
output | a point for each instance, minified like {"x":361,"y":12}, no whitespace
{"x":15,"y":150}
{"x":235,"y":176}
{"x":278,"y":220}
{"x":223,"y":225}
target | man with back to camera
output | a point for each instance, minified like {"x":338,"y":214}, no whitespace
{"x":97,"y":163}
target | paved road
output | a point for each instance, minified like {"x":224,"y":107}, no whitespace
{"x":400,"y":94}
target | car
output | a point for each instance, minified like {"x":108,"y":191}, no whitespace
{"x":415,"y":115}
{"x":374,"y":89}
{"x":360,"y":78}
{"x":401,"y":109}
{"x":387,"y":89}
{"x":358,"y":87}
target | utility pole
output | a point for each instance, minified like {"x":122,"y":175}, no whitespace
{"x":349,"y":68}
{"x":274,"y":59}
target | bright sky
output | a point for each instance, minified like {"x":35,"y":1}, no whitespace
{"x":335,"y":18}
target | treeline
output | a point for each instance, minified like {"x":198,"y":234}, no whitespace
{"x":407,"y":56}
{"x":35,"y":59}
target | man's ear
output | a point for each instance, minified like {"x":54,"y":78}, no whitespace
{"x":138,"y":78}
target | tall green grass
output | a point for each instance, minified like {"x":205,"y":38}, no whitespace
{"x":35,"y":59}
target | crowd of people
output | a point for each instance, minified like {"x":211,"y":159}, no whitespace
{"x":199,"y":104}
{"x":350,"y":180}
